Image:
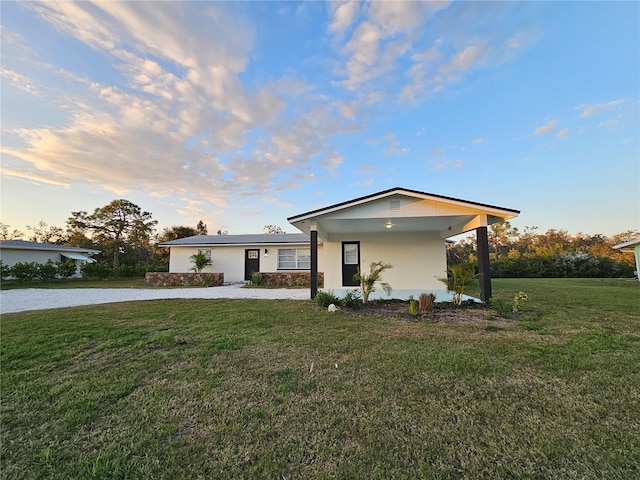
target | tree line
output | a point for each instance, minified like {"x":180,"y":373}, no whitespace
{"x":126,"y":235}
{"x":553,"y":254}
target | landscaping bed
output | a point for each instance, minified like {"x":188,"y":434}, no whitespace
{"x":467,"y":312}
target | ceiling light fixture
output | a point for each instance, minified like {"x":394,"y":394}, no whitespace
{"x":388,"y":224}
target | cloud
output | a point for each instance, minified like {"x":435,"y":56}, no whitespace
{"x":20,"y":81}
{"x":563,"y":133}
{"x":448,"y":59}
{"x":171,"y":116}
{"x":589,"y":110}
{"x":477,"y":141}
{"x":381,"y":38}
{"x":443,"y":162}
{"x":343,"y":15}
{"x":368,"y":168}
{"x":364,"y":183}
{"x":393,"y":145}
{"x":332,"y":160}
{"x":277,"y":202}
{"x":547,"y":128}
{"x":611,"y":124}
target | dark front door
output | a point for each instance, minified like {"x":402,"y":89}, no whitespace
{"x":350,"y":263}
{"x":251,"y":262}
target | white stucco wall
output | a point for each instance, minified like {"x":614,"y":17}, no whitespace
{"x":11,"y":256}
{"x":418,"y":259}
{"x":229,"y":259}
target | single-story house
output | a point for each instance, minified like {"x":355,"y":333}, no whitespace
{"x":405,"y":228}
{"x":634,"y":247}
{"x":240,"y":256}
{"x":22,"y":251}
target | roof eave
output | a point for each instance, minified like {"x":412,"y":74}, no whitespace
{"x":506,"y":212}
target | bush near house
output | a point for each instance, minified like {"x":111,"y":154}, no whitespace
{"x":24,"y":272}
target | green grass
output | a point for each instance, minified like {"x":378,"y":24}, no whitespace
{"x":280,"y":389}
{"x":78,"y":283}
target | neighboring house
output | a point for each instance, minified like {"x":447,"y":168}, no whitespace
{"x":239,"y":256}
{"x":405,"y":228}
{"x":21,"y":251}
{"x":632,"y":246}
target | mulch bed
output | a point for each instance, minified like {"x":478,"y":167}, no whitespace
{"x":468,"y":312}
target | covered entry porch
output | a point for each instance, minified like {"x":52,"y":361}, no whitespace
{"x":405,"y":228}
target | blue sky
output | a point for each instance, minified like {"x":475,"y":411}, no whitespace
{"x":245,"y":113}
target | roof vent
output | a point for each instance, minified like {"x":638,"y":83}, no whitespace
{"x":394,"y":205}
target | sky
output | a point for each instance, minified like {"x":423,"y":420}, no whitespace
{"x":241,"y":114}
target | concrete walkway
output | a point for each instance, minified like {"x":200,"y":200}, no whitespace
{"x":39,"y":299}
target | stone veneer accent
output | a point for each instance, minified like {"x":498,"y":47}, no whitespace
{"x":290,"y":279}
{"x":164,"y":279}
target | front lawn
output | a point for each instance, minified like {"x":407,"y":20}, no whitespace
{"x":281,"y":389}
{"x":136,"y":282}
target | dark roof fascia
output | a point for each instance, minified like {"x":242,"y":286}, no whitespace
{"x":399,"y":190}
{"x":25,"y":245}
{"x":230,"y":240}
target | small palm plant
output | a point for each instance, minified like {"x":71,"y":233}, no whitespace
{"x":461,"y":276}
{"x":200,"y":261}
{"x":368,"y":282}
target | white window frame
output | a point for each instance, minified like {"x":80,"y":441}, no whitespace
{"x":296,"y":259}
{"x":207,"y":253}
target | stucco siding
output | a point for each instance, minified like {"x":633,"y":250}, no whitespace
{"x":230,"y":259}
{"x":418,"y":259}
{"x":10,"y":257}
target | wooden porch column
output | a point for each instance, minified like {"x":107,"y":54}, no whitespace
{"x":314,"y":263}
{"x":483,"y":263}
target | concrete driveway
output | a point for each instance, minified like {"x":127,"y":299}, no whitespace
{"x":39,"y":298}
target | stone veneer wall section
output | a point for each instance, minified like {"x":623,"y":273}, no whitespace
{"x":290,"y":279}
{"x":164,"y":279}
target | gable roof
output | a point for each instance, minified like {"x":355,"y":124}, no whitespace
{"x":249,"y":239}
{"x":395,"y":191}
{"x":401,"y":210}
{"x":25,"y":245}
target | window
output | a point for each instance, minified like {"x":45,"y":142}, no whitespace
{"x":350,"y":253}
{"x":294,"y":259}
{"x":207,"y":253}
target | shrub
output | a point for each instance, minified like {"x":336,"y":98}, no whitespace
{"x":426,"y":301}
{"x":25,"y":271}
{"x":256,"y":279}
{"x":368,"y":281}
{"x":325,"y":298}
{"x":97,"y":270}
{"x":413,"y":306}
{"x":66,"y":268}
{"x":352,"y":299}
{"x":200,"y":261}
{"x":47,"y":271}
{"x":518,"y":300}
{"x":5,"y":270}
{"x":459,"y":278}
{"x":502,"y":308}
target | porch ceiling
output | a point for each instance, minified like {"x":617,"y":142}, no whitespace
{"x":445,"y":226}
{"x":398,"y":224}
